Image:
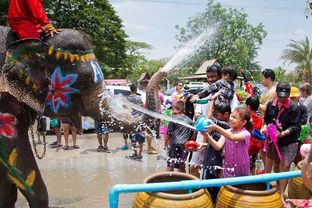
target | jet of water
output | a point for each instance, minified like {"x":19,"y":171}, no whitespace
{"x":120,"y":112}
{"x":188,"y":50}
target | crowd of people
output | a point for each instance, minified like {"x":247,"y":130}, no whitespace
{"x":228,"y":148}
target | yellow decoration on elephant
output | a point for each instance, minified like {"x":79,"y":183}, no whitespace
{"x":31,"y":178}
{"x":50,"y":51}
{"x":13,"y":157}
{"x":65,"y":55}
{"x":72,"y":57}
{"x":58,"y":55}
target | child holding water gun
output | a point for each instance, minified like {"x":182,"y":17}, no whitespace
{"x":220,"y":115}
{"x":178,"y":135}
{"x":235,"y":142}
{"x":164,"y":128}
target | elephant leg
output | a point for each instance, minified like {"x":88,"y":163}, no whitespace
{"x":40,"y":198}
{"x":8,"y":190}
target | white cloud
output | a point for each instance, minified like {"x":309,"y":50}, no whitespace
{"x":154,"y":23}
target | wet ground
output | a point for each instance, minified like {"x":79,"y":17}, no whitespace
{"x":81,"y":178}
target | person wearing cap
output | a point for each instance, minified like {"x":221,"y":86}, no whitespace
{"x":306,"y":98}
{"x":268,"y":78}
{"x":295,"y":96}
{"x":285,"y":114}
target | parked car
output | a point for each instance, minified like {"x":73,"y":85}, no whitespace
{"x":193,"y":89}
{"x":88,"y":123}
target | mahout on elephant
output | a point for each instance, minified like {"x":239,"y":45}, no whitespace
{"x":56,"y":77}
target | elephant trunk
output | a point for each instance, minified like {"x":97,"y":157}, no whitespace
{"x":152,"y":96}
{"x":115,"y":111}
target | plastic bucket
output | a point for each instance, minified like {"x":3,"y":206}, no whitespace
{"x":201,"y":123}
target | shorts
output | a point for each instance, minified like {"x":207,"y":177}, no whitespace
{"x":67,"y":121}
{"x":100,"y":129}
{"x":288,"y":152}
{"x":176,"y":156}
{"x":55,"y":123}
{"x":197,"y":158}
{"x":137,"y":138}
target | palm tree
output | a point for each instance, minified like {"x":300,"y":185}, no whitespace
{"x":300,"y":53}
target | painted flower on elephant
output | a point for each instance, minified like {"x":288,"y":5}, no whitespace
{"x":59,"y":90}
{"x":7,"y":125}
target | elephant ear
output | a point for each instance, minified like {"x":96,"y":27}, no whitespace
{"x":24,"y":73}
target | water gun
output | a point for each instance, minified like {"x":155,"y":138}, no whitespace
{"x":272,"y":134}
{"x":191,"y":146}
{"x":304,"y":133}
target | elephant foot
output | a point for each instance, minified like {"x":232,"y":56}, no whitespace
{"x":8,"y":192}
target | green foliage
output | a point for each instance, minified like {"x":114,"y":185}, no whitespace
{"x":134,"y":48}
{"x":146,"y":66}
{"x":282,"y":76}
{"x":178,"y":73}
{"x":235,"y":41}
{"x":4,"y":5}
{"x":134,"y":53}
{"x":96,"y":18}
{"x":300,"y":53}
{"x":242,"y":94}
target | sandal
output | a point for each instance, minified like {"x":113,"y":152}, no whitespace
{"x":65,"y":148}
{"x":56,"y":145}
{"x":151,"y":152}
{"x":76,"y":147}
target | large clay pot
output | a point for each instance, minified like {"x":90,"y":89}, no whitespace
{"x":249,"y":195}
{"x":296,"y":188}
{"x":172,"y":199}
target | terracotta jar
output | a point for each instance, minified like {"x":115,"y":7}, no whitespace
{"x":296,"y":188}
{"x":179,"y":198}
{"x":249,"y":195}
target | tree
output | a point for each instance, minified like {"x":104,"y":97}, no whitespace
{"x":149,"y":66}
{"x":4,"y":5}
{"x":300,"y":53}
{"x":98,"y":19}
{"x":234,"y":42}
{"x":134,"y":53}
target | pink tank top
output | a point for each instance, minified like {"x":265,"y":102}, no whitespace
{"x":236,"y":159}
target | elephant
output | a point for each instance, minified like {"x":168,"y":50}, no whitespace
{"x":56,"y":77}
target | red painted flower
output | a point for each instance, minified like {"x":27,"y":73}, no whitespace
{"x":7,"y":125}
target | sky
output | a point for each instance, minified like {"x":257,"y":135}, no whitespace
{"x":154,"y":21}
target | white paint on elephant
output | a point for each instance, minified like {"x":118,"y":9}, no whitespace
{"x":98,"y":75}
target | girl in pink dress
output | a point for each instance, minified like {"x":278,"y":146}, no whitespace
{"x":235,"y":142}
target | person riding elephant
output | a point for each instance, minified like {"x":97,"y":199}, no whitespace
{"x":55,"y":77}
{"x":28,"y":19}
